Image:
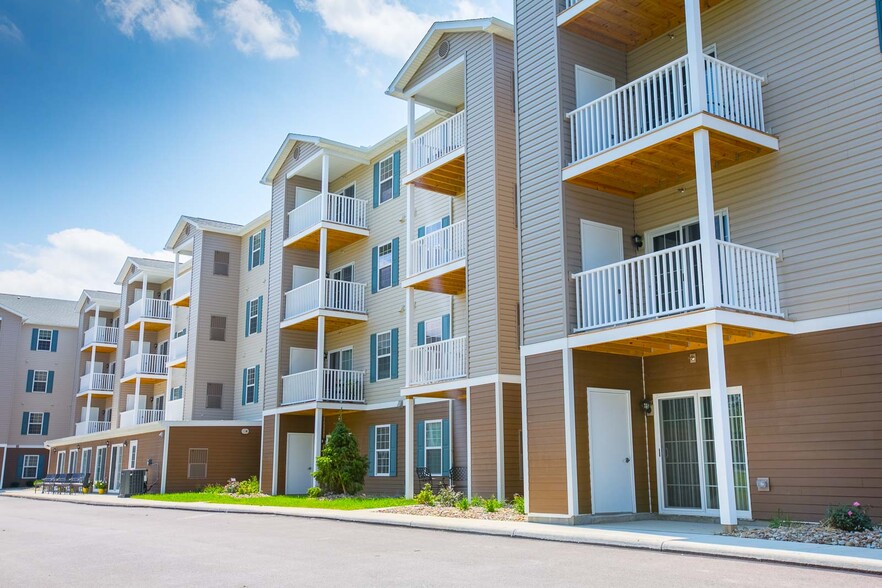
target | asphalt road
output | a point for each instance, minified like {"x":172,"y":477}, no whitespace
{"x":55,"y":544}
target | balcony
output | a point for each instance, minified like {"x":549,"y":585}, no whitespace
{"x":637,"y":140}
{"x":438,"y":261}
{"x":104,"y":339}
{"x":177,"y":357}
{"x":140,"y":416}
{"x":439,"y":362}
{"x":343,"y":305}
{"x":624,"y":25}
{"x":344,"y":217}
{"x":437,"y":157}
{"x":339,"y":386}
{"x":153,"y":312}
{"x":96,"y":383}
{"x":181,"y":291}
{"x":149,"y":367}
{"x":174,"y":410}
{"x":671,"y":282}
{"x":89,"y":427}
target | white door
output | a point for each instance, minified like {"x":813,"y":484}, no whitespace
{"x":96,"y":367}
{"x":298,"y":470}
{"x":303,"y":195}
{"x":130,"y":401}
{"x":304,"y":275}
{"x":300,"y":360}
{"x":601,"y":245}
{"x":134,"y":346}
{"x":611,"y":452}
{"x":89,"y":415}
{"x":591,"y":85}
{"x":138,"y":291}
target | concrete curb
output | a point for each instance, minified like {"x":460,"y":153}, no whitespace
{"x":852,"y":559}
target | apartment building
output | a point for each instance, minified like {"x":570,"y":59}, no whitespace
{"x":38,"y":338}
{"x":699,"y":211}
{"x":392,"y":298}
{"x":170,"y":365}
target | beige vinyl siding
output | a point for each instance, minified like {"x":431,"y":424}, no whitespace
{"x":251,"y":350}
{"x":468,"y":45}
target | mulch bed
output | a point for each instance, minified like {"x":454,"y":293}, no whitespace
{"x":451,"y":512}
{"x":814,"y":534}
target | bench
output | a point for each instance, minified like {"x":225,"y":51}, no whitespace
{"x":77,"y":481}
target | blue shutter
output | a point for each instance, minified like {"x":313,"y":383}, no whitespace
{"x":41,"y":467}
{"x":259,"y":313}
{"x":45,"y":430}
{"x":445,"y":222}
{"x":394,"y":354}
{"x":24,"y":422}
{"x":375,"y":260}
{"x":247,"y":315}
{"x":393,"y":450}
{"x":34,"y":339}
{"x":250,"y":250}
{"x":421,"y":232}
{"x":30,"y":385}
{"x":372,"y":447}
{"x":262,"y":245}
{"x":396,"y":174}
{"x":421,"y":445}
{"x":376,"y":184}
{"x":445,"y":327}
{"x":50,"y":379}
{"x":244,"y":383}
{"x":445,"y":447}
{"x":395,"y":261}
{"x":421,"y":333}
{"x":19,"y":467}
{"x":256,"y":383}
{"x":54,"y":346}
{"x":373,"y":358}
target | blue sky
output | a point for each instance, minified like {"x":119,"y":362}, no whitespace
{"x":118,"y":116}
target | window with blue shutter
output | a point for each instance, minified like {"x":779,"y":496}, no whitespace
{"x":394,"y":374}
{"x":393,"y":450}
{"x":381,"y":455}
{"x":387,"y":179}
{"x":29,"y":387}
{"x":54,"y":344}
{"x":25,"y":421}
{"x":432,"y":227}
{"x":373,"y":358}
{"x":384,"y":266}
{"x":395,"y":261}
{"x":44,"y":340}
{"x":256,"y":249}
{"x":45,"y":424}
{"x":384,"y":355}
{"x":433,"y":446}
{"x":421,"y":444}
{"x":253,"y":316}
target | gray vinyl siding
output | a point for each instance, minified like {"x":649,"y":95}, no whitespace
{"x":10,"y":331}
{"x":540,"y":138}
{"x":251,"y":350}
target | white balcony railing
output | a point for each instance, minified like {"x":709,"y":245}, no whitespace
{"x":149,"y":308}
{"x":662,"y":97}
{"x":671,"y":281}
{"x":89,"y":427}
{"x":96,"y":381}
{"x":339,"y":295}
{"x":437,"y":142}
{"x":101,"y":336}
{"x":178,"y":348}
{"x":140,"y":416}
{"x":333,"y":208}
{"x":174,"y":410}
{"x":150,"y":364}
{"x":182,"y":285}
{"x":436,"y":362}
{"x":338,"y":386}
{"x":438,"y":248}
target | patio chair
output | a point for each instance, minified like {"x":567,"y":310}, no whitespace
{"x":424,"y":476}
{"x":48,"y":483}
{"x":459,"y":476}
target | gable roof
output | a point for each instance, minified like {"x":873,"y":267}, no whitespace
{"x":50,"y":312}
{"x":212,"y":226}
{"x":491,"y":25}
{"x":108,"y":299}
{"x":157,"y":266}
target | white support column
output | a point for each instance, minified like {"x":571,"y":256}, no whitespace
{"x":408,"y":447}
{"x":408,"y":335}
{"x":172,"y":329}
{"x":500,"y":445}
{"x":320,"y":359}
{"x":695,"y":52}
{"x":716,"y":362}
{"x":88,"y":407}
{"x":326,"y":180}
{"x":469,"y":442}
{"x":92,"y":362}
{"x":408,"y":194}
{"x":323,"y":265}
{"x":570,"y":434}
{"x":3,"y":465}
{"x":411,"y":105}
{"x":318,"y":430}
{"x":710,"y":255}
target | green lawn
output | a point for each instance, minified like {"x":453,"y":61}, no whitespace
{"x":298,"y":501}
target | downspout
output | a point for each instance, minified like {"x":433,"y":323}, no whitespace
{"x":646,"y":431}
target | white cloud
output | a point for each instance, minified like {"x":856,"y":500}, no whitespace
{"x":8,"y":30}
{"x":256,"y":28}
{"x":389,"y":27}
{"x":71,"y":261}
{"x":161,"y":19}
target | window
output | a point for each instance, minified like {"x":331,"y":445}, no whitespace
{"x":384,"y":266}
{"x":176,"y":393}
{"x":250,"y":385}
{"x":382,"y":449}
{"x":384,"y":355}
{"x":340,"y":359}
{"x":59,"y":464}
{"x":162,"y":348}
{"x":29,"y":467}
{"x":197,"y":464}
{"x":221,"y":263}
{"x":218,"y":331}
{"x":386,"y":179}
{"x":214,"y":396}
{"x":256,"y":250}
{"x":41,"y":381}
{"x":434,"y":437}
{"x":133,"y":454}
{"x":348,"y":191}
{"x":434,"y":331}
{"x":73,"y":462}
{"x":344,"y":274}
{"x":86,"y":464}
{"x":44,"y":340}
{"x":253,"y":310}
{"x":35,"y":423}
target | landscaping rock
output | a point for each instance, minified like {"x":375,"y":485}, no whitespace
{"x":475,"y":512}
{"x":814,"y":534}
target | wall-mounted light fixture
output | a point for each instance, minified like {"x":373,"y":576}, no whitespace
{"x":637,"y":240}
{"x":646,"y":405}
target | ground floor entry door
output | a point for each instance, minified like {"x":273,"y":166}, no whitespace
{"x":298,"y":469}
{"x":611,"y":453}
{"x":686,"y":459}
{"x":115,"y":468}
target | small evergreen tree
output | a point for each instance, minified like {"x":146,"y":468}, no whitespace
{"x":341,"y":468}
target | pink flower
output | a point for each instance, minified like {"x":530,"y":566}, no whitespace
{"x":850,"y":513}
{"x":856,"y":504}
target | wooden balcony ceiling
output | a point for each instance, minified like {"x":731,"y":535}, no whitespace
{"x":145,"y":379}
{"x":178,"y":363}
{"x":182,"y":302}
{"x":100,"y":347}
{"x":337,"y":239}
{"x":149,"y":324}
{"x":448,"y":178}
{"x":676,"y":341}
{"x":665,"y":165}
{"x":628,"y":24}
{"x":332,"y":323}
{"x":452,"y":282}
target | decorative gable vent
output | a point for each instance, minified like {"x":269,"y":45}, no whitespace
{"x":296,"y":152}
{"x":187,"y":230}
{"x":443,"y":49}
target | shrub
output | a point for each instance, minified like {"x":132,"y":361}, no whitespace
{"x":463,"y":504}
{"x":780,"y":519}
{"x":425,"y":496}
{"x":447,"y":496}
{"x":314,"y":492}
{"x":231,"y":487}
{"x":517,"y":503}
{"x":341,"y":468}
{"x":101,"y":485}
{"x":849,"y":518}
{"x":478,"y":501}
{"x":209,"y":489}
{"x":249,"y":486}
{"x":492,"y":505}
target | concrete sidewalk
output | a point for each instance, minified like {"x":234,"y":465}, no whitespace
{"x":658,"y":535}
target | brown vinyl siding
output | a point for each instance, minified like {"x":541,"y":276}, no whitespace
{"x":10,"y":475}
{"x":230,"y":455}
{"x":511,"y":418}
{"x":546,"y":443}
{"x":483,"y":421}
{"x":267,"y":453}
